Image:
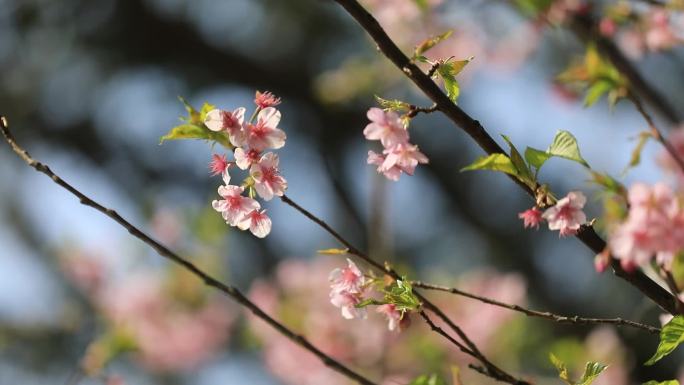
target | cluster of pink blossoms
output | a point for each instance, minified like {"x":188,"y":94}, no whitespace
{"x":654,"y":227}
{"x":566,"y":215}
{"x":399,"y":155}
{"x":347,"y":289}
{"x":250,"y":138}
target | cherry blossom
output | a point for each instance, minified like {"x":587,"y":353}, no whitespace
{"x":349,"y":279}
{"x":244,"y":159}
{"x":394,"y":316}
{"x":405,"y":156}
{"x":257,"y":222}
{"x":267,"y":179}
{"x":233,"y":207}
{"x":347,"y":302}
{"x":385,"y":127}
{"x":653,"y":227}
{"x":264,"y":133}
{"x":567,"y":215}
{"x":531,"y":217}
{"x":265,"y":100}
{"x":220,"y":120}
{"x":218,"y":165}
{"x":392,"y":173}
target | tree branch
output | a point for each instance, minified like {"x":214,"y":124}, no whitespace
{"x":540,"y":314}
{"x":475,"y":130}
{"x":162,"y":250}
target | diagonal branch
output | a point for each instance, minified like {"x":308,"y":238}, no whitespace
{"x":162,"y":250}
{"x":535,"y":313}
{"x":475,"y":130}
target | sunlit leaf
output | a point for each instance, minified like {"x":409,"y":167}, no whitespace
{"x":591,"y":371}
{"x":494,"y":162}
{"x":597,"y":90}
{"x":671,"y":335}
{"x":430,"y":42}
{"x":523,"y":170}
{"x":564,"y":145}
{"x":668,"y":382}
{"x":192,"y":131}
{"x":635,"y":159}
{"x":536,"y":158}
{"x":425,"y":379}
{"x":392,"y":104}
{"x":333,"y":251}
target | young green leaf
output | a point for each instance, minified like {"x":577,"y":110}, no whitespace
{"x":424,"y":379}
{"x":671,"y":335}
{"x":596,"y":90}
{"x":448,"y":71}
{"x":430,"y":42}
{"x":668,"y":382}
{"x":564,"y":145}
{"x":400,"y":293}
{"x":636,"y":153}
{"x":523,"y":170}
{"x":536,"y":158}
{"x":392,"y":104}
{"x":494,"y":162}
{"x":333,"y":251}
{"x":591,"y":371}
{"x":193,"y":115}
{"x":192,"y":131}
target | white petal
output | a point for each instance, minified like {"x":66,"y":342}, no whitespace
{"x":214,"y":120}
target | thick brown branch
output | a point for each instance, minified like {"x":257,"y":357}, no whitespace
{"x":475,"y":130}
{"x":535,"y":313}
{"x":162,"y":250}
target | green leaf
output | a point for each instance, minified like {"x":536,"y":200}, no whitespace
{"x":560,"y":366}
{"x":447,"y":71}
{"x":636,"y":153}
{"x":668,"y":382}
{"x":608,"y":183}
{"x":193,"y":115}
{"x":392,"y":104}
{"x":344,"y":251}
{"x":671,"y":335}
{"x":430,"y":42}
{"x":368,"y":302}
{"x":591,"y":371}
{"x":192,"y":131}
{"x":523,"y":170}
{"x":494,"y":162}
{"x":597,"y":90}
{"x":400,"y":293}
{"x":536,"y":158}
{"x":431,"y":379}
{"x":564,"y":145}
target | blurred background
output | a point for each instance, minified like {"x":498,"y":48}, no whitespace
{"x":89,"y":87}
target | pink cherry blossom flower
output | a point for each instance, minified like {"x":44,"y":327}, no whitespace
{"x":244,"y":159}
{"x":233,"y":207}
{"x":264,"y":133}
{"x":405,"y":156}
{"x":267,"y":179}
{"x":376,"y":159}
{"x":531,"y":217}
{"x":607,"y":27}
{"x":393,"y":315}
{"x":349,"y":279}
{"x":653,"y":227}
{"x":567,"y":215}
{"x":220,"y":120}
{"x":385,"y":127}
{"x":257,"y":222}
{"x":347,"y":302}
{"x":265,"y":100}
{"x":218,"y":164}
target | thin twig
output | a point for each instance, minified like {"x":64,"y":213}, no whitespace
{"x":535,"y":313}
{"x":415,"y":110}
{"x":475,"y":130}
{"x":657,"y":134}
{"x":162,"y":250}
